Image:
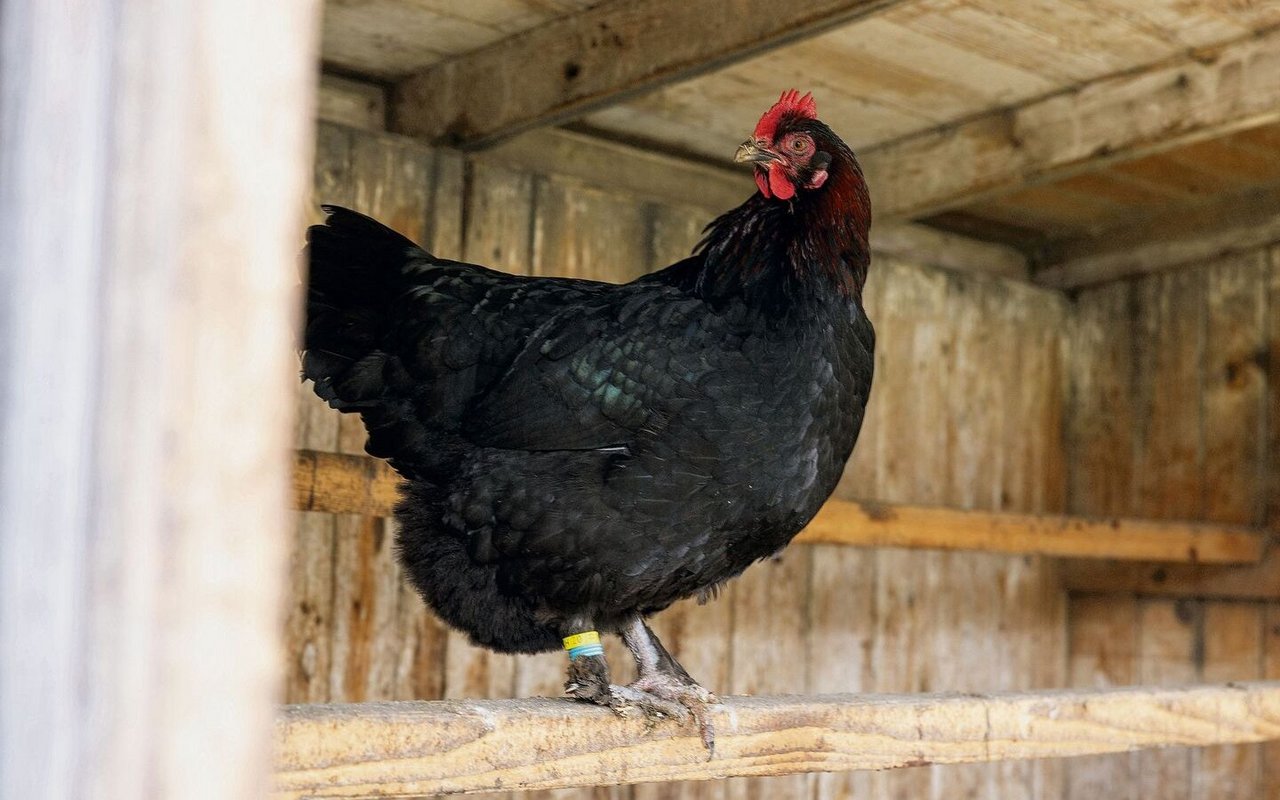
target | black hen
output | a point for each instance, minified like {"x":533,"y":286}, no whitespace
{"x":579,"y":455}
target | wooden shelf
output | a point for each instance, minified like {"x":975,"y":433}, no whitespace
{"x":426,"y":748}
{"x":344,"y":484}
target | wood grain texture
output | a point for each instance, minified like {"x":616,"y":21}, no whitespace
{"x":152,"y":165}
{"x":410,"y":749}
{"x":1225,"y":89}
{"x":596,"y":57}
{"x":355,"y":484}
{"x":1102,"y":652}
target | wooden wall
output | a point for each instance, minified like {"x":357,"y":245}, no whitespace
{"x":1176,"y":414}
{"x":968,"y":409}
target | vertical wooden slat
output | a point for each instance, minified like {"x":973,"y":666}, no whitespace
{"x":1167,"y":642}
{"x":309,"y":606}
{"x":1271,"y":671}
{"x":582,"y":232}
{"x":770,"y":629}
{"x":151,"y":176}
{"x":907,"y":347}
{"x":1170,"y":363}
{"x":1101,"y":424}
{"x":1232,"y":651}
{"x":1103,"y":652}
{"x":1235,"y":390}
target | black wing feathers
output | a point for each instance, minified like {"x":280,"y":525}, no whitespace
{"x":438,"y":356}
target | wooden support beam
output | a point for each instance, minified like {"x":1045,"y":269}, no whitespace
{"x":1193,"y":235}
{"x":427,"y":748}
{"x":868,"y":524}
{"x":1208,"y":93}
{"x":600,"y":56}
{"x":154,"y":159}
{"x":354,"y":484}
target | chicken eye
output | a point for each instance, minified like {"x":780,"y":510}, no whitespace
{"x":799,"y":144}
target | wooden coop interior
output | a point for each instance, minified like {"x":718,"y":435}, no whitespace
{"x":1068,"y":480}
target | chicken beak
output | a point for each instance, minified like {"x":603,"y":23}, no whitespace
{"x":751,"y":153}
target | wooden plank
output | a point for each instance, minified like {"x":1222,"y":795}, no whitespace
{"x":1102,"y":652}
{"x":153,"y":165}
{"x":1232,"y":651}
{"x":1271,"y":672}
{"x":309,"y":609}
{"x":1234,"y":390}
{"x":357,"y":104}
{"x":347,"y":484}
{"x":618,"y":167}
{"x":1168,"y":632}
{"x":770,"y":632}
{"x":1272,"y":412}
{"x":920,"y":244}
{"x":1169,"y":411}
{"x":1190,"y":98}
{"x":1232,"y":225}
{"x":870,"y":524}
{"x":598,"y":57}
{"x":411,"y":749}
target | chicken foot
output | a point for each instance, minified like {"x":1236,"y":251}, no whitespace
{"x":663,"y":689}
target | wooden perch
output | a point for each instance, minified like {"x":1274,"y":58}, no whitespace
{"x":358,"y":485}
{"x":426,"y":748}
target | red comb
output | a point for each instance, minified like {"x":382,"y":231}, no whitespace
{"x":790,"y":104}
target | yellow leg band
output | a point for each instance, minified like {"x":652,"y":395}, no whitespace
{"x":586,"y":643}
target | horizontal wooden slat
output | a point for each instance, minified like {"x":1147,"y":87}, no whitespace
{"x":588,"y":60}
{"x":358,"y":485}
{"x":426,"y":748}
{"x":867,"y":524}
{"x":1118,"y":118}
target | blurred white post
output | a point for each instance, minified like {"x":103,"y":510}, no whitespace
{"x":153,"y":163}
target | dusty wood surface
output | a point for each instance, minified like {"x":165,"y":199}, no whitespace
{"x":596,"y":57}
{"x":346,"y":484}
{"x":410,"y":749}
{"x":1213,"y":92}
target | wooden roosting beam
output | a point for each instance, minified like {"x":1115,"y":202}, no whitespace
{"x":355,"y":484}
{"x":427,"y":748}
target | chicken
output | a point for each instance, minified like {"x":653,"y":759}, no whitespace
{"x":579,"y":455}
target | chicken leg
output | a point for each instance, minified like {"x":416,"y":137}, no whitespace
{"x":663,"y":688}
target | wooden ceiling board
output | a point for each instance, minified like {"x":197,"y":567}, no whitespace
{"x":1115,"y":188}
{"x":389,"y":39}
{"x":1182,"y":180}
{"x":1050,"y":210}
{"x":1243,"y":165}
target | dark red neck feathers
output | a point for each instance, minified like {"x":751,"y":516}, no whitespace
{"x":780,"y":250}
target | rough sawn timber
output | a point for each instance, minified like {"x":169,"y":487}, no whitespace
{"x":598,"y":57}
{"x":445,"y":747}
{"x":1118,"y":118}
{"x":356,"y":485}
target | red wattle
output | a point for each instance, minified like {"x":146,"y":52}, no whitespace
{"x":782,"y":188}
{"x":763,"y":183}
